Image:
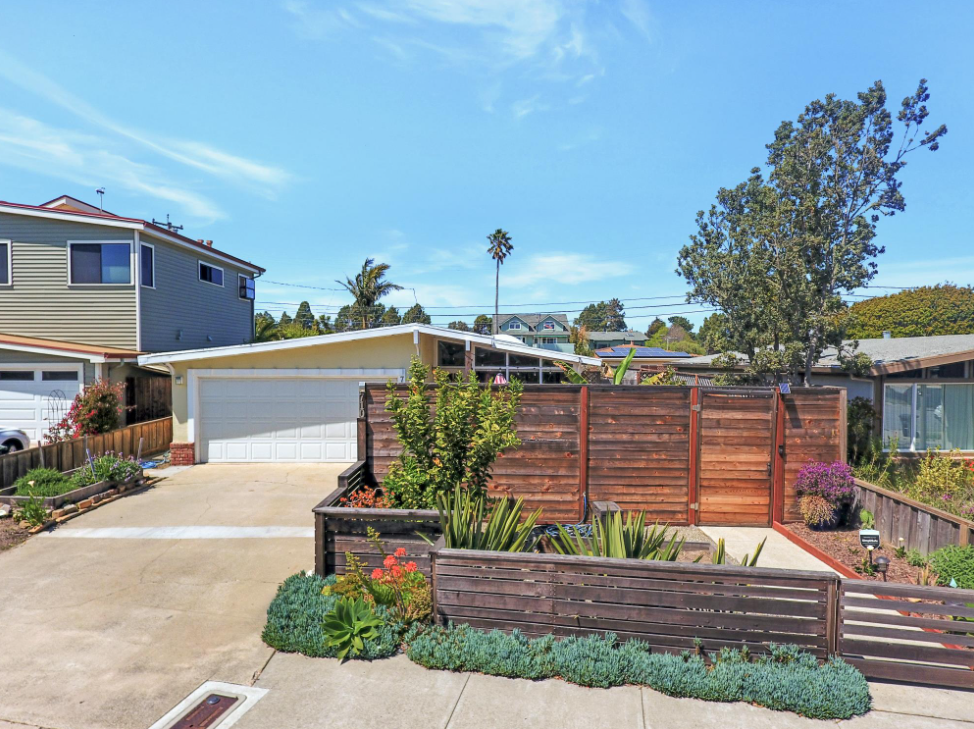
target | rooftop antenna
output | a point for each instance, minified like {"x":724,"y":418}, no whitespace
{"x":168,"y":225}
{"x":101,"y":198}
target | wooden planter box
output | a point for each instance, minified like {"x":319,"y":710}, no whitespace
{"x":72,"y":497}
{"x":339,"y":529}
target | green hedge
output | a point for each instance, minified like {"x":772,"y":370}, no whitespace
{"x":954,"y":563}
{"x":787,"y":679}
{"x":295,"y":616}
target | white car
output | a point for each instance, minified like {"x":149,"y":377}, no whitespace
{"x":13,"y":440}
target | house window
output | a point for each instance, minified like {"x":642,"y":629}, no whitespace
{"x":59,"y":375}
{"x":450,"y":354}
{"x":514,"y":325}
{"x":550,"y":325}
{"x":211,"y":274}
{"x":5,"y":272}
{"x":17,"y":375}
{"x":954,"y":370}
{"x":549,"y":340}
{"x":247,"y":290}
{"x":489,"y":363}
{"x":100,"y":263}
{"x":147,"y":266}
{"x":922,"y":416}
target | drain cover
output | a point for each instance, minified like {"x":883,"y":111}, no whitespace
{"x":206,"y":713}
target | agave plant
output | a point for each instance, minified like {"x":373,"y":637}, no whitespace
{"x":349,"y":625}
{"x":626,"y":538}
{"x":720,"y":555}
{"x":469,"y":524}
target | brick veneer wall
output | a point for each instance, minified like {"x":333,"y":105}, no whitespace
{"x":182,"y":454}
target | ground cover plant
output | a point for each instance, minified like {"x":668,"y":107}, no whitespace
{"x":451,"y":440}
{"x":786,"y":679}
{"x":43,"y":483}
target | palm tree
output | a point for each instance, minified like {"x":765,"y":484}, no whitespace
{"x":368,"y":287}
{"x":265,"y":329}
{"x":500,"y":248}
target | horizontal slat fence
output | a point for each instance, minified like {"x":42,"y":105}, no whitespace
{"x":814,"y":430}
{"x":633,"y":445}
{"x":668,"y":605}
{"x":70,"y":454}
{"x":918,"y":525}
{"x":920,"y":635}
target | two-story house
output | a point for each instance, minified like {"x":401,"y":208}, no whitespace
{"x":601,"y":340}
{"x":546,"y":331}
{"x":83,"y":292}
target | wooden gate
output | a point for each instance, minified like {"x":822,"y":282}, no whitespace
{"x":736,"y":445}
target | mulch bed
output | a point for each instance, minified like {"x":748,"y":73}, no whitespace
{"x":842,"y":545}
{"x":11,"y":534}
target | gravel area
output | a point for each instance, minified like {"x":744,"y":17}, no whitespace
{"x":11,"y":534}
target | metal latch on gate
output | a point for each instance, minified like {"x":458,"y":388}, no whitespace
{"x":695,"y":505}
{"x":695,"y":408}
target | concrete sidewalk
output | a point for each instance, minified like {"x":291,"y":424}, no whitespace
{"x":778,"y":551}
{"x":309,"y":693}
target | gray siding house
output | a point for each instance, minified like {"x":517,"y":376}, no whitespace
{"x":84,"y":292}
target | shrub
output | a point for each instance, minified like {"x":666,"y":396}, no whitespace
{"x":33,"y":512}
{"x":43,"y":482}
{"x":832,"y":481}
{"x":295,"y":621}
{"x":107,"y":467}
{"x":942,"y":481}
{"x":817,"y":511}
{"x":861,"y":419}
{"x":468,"y":524}
{"x":785,"y":679}
{"x":454,"y":443}
{"x":96,"y":410}
{"x":954,"y":563}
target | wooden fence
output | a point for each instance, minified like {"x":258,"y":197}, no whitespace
{"x":686,"y":455}
{"x":70,"y":454}
{"x":919,"y":526}
{"x":147,"y":398}
{"x":671,"y":606}
{"x":888,"y":631}
{"x":916,"y":634}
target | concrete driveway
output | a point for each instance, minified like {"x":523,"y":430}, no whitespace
{"x":116,"y":616}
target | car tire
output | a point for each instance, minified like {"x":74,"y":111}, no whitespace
{"x":11,"y":446}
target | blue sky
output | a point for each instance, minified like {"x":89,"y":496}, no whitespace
{"x":305,"y":135}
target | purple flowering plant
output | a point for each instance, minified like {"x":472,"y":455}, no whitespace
{"x":832,"y":481}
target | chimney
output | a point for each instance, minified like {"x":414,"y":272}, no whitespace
{"x":200,"y":241}
{"x":887,"y":335}
{"x":209,"y":243}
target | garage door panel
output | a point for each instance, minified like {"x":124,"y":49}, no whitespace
{"x":278,"y":419}
{"x":26,"y":404}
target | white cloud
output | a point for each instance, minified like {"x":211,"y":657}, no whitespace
{"x":567,"y":268}
{"x":198,"y":155}
{"x":637,"y":12}
{"x":522,"y":108}
{"x":86,"y":159}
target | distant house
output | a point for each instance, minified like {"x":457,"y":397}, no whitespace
{"x":83,"y":292}
{"x":921,"y":387}
{"x":602,"y":340}
{"x":545,"y":331}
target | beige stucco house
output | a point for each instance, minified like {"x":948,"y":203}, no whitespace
{"x":298,"y":399}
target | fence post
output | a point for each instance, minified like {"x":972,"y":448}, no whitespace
{"x":582,"y":451}
{"x":832,"y":615}
{"x":692,"y":478}
{"x":778,"y":456}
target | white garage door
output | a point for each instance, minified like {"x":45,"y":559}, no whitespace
{"x":271,"y":419}
{"x":30,"y":397}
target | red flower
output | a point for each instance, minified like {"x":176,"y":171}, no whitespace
{"x":396,"y":571}
{"x":401,"y":552}
{"x":376,"y":573}
{"x":389,"y":561}
{"x":410,"y":566}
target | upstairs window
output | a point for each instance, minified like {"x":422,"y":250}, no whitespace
{"x":247,"y":290}
{"x":147,"y":265}
{"x":211,"y":274}
{"x":5,"y":263}
{"x":99,"y":263}
{"x":514,"y":325}
{"x":548,"y":325}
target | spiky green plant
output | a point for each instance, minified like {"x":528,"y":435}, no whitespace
{"x":349,"y":625}
{"x":622,"y":537}
{"x":720,"y":555}
{"x":469,"y":524}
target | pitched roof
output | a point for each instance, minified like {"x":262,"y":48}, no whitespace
{"x":500,"y":342}
{"x":895,"y":354}
{"x":91,"y":352}
{"x":641,"y":352}
{"x":84,"y":213}
{"x":532,"y":320}
{"x":628,"y":334}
